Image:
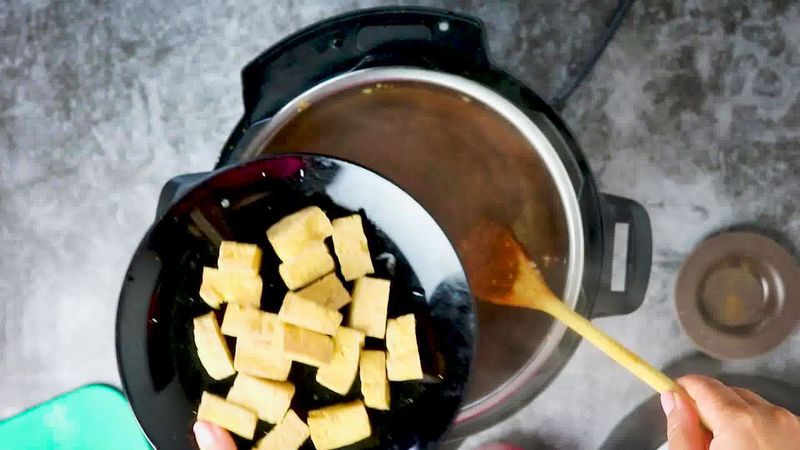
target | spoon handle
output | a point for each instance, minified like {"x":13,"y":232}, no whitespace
{"x":608,"y":345}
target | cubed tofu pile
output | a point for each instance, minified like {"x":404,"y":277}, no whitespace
{"x":308,"y":329}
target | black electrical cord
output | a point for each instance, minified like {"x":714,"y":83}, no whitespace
{"x":560,"y":99}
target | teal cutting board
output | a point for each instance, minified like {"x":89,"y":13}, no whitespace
{"x":93,"y":417}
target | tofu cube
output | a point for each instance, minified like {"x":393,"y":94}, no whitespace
{"x":239,"y":256}
{"x":402,"y":361}
{"x":350,"y":245}
{"x":269,"y":399}
{"x":339,"y":425}
{"x":306,"y":346}
{"x":291,"y":233}
{"x":209,"y":287}
{"x":289,"y":434}
{"x":310,"y":263}
{"x":211,"y":347}
{"x":271,"y":330}
{"x":242,"y":288}
{"x":233,"y":286}
{"x":374,"y":384}
{"x":232,"y":417}
{"x":328,"y":291}
{"x":241,"y":321}
{"x":370,"y":305}
{"x":304,"y":313}
{"x":247,"y":322}
{"x":340,"y":373}
{"x":261,"y":359}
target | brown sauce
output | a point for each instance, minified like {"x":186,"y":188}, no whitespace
{"x":490,"y":257}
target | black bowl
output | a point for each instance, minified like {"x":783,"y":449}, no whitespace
{"x":158,"y":363}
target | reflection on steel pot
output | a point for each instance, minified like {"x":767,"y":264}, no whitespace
{"x":411,"y":93}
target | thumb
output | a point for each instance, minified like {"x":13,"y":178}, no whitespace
{"x":212,"y":437}
{"x":684,"y":430}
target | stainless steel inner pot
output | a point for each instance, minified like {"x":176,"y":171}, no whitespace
{"x":465,"y":153}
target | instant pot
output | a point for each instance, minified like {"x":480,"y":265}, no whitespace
{"x":412,"y":94}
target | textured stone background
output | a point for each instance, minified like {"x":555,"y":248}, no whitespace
{"x":693,"y":111}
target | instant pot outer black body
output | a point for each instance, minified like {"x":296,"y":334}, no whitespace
{"x":446,"y":42}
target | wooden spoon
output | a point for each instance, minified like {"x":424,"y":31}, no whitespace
{"x":501,"y":273}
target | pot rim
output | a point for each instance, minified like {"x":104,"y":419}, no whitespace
{"x":527,"y":128}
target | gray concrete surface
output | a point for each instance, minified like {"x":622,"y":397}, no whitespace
{"x":694,"y":111}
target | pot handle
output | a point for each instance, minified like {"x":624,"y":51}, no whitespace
{"x":618,"y":210}
{"x":174,"y":189}
{"x":389,"y":36}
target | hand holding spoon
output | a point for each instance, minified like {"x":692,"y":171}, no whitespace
{"x":501,"y":273}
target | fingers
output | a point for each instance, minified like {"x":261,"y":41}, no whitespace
{"x":751,"y":397}
{"x":764,"y":408}
{"x":211,"y":437}
{"x":715,"y":402}
{"x":684,"y":430}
